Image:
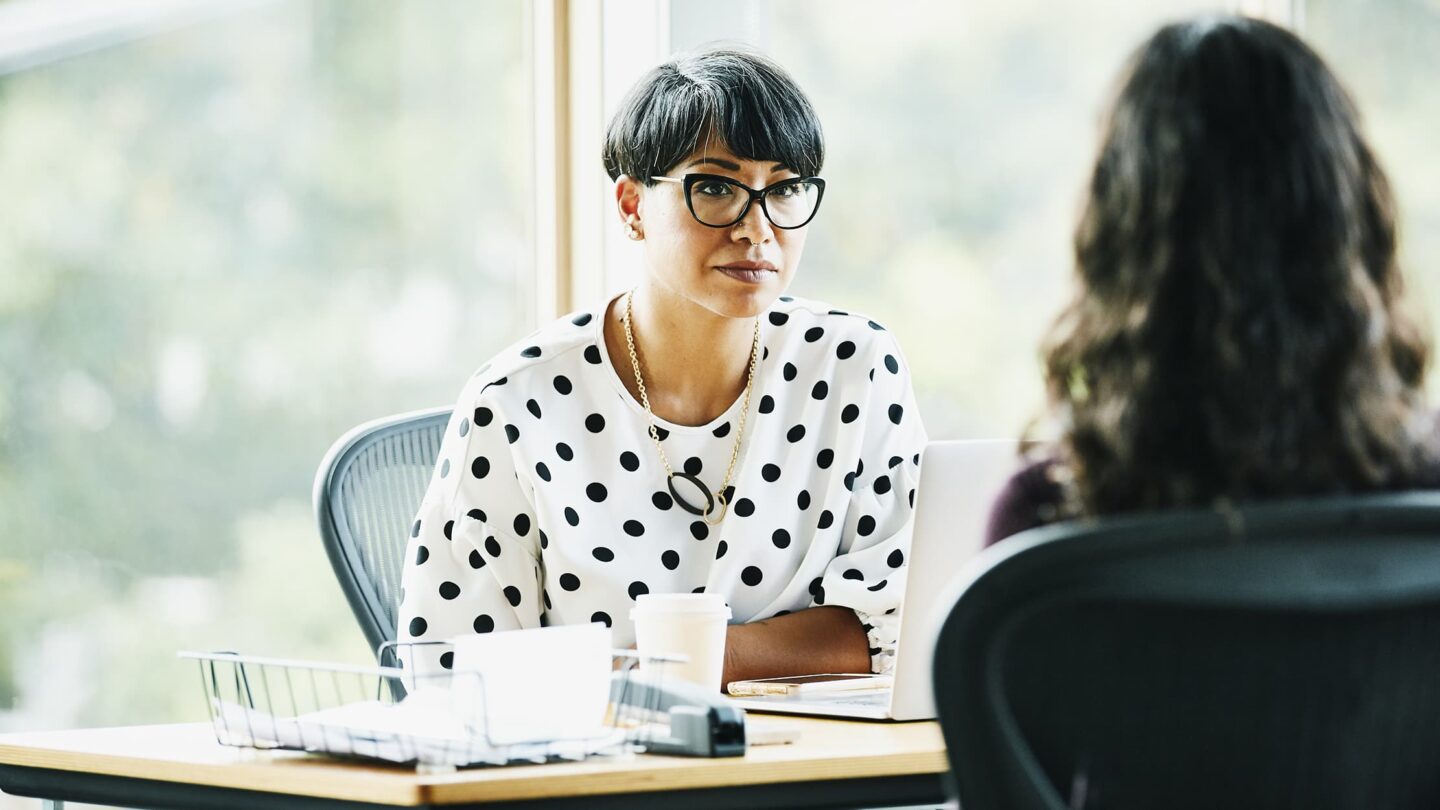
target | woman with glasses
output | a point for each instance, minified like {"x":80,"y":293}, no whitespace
{"x":1239,"y":330}
{"x":700,"y":432}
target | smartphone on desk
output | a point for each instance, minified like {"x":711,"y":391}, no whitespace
{"x":807,"y":685}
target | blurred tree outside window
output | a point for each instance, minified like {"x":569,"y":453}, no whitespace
{"x":221,"y":246}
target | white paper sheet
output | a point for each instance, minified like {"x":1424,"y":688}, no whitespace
{"x":552,"y":683}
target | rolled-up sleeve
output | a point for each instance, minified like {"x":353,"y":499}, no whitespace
{"x":472,"y":561}
{"x":868,"y":573}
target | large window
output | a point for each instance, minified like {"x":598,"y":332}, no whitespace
{"x":222,"y":244}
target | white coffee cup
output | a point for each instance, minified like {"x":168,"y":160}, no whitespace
{"x":682,"y":624}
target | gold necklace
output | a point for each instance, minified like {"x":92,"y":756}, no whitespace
{"x":718,"y":498}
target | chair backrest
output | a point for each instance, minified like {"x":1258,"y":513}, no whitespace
{"x":367,"y":492}
{"x":1277,"y":656}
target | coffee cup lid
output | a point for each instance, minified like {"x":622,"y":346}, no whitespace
{"x":681,"y":603}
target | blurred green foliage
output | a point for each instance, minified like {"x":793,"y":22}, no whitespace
{"x":221,"y":247}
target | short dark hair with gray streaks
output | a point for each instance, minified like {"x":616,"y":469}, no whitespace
{"x":738,"y":97}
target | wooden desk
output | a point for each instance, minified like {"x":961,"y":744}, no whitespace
{"x":834,"y":763}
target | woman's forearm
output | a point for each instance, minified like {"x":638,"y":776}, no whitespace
{"x":818,"y":639}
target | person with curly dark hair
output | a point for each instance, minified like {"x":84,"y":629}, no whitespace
{"x":1238,"y":332}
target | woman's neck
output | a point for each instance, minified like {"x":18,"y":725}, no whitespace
{"x":695,"y":363}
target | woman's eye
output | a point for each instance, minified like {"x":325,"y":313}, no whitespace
{"x":714,"y":189}
{"x":785,"y":192}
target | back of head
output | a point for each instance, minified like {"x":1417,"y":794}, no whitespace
{"x":1236,"y":333}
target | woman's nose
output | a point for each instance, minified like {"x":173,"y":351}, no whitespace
{"x":754,"y":226}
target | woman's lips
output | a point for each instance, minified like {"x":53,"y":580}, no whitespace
{"x":748,"y":272}
{"x":747,"y":276}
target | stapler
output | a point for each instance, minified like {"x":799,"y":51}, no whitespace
{"x":701,"y":723}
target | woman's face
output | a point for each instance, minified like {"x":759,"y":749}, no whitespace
{"x":736,"y":271}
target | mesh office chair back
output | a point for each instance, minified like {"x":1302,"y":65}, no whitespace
{"x":367,"y":492}
{"x":1280,"y":656}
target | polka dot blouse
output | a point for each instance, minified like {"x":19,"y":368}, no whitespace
{"x":548,"y":503}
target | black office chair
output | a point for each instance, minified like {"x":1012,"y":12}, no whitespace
{"x":1277,"y":656}
{"x":366,"y":494}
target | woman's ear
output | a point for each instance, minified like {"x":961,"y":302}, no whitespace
{"x":627,"y":204}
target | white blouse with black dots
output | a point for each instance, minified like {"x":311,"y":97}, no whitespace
{"x":548,"y":504}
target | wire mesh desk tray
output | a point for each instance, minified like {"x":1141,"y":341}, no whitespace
{"x":429,"y":720}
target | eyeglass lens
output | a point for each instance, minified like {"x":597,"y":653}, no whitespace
{"x":718,"y":203}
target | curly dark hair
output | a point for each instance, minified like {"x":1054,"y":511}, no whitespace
{"x":1238,"y":332}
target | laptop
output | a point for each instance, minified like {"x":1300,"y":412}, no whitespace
{"x":958,"y":483}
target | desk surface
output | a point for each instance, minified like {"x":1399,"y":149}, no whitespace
{"x":826,"y":750}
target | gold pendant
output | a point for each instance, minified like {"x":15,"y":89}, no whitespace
{"x":720,"y":515}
